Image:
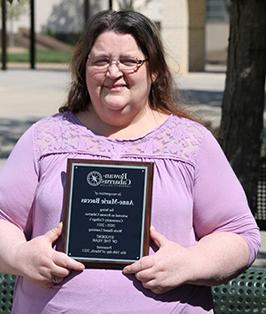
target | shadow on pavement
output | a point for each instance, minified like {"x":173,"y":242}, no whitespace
{"x":202,"y":97}
{"x":10,"y":131}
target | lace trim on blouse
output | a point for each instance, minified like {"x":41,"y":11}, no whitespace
{"x":177,"y":138}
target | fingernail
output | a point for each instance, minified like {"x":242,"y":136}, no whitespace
{"x":125,"y":270}
{"x":82,"y":267}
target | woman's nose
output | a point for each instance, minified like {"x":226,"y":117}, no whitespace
{"x":113,"y":70}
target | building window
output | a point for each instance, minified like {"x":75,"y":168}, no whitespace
{"x":217,"y":10}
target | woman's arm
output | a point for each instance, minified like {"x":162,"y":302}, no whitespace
{"x":33,"y":259}
{"x":221,"y":256}
{"x":227,"y":232}
{"x":10,"y":236}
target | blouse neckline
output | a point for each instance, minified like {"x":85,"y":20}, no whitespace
{"x":149,"y":134}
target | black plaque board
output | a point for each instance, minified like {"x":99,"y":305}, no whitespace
{"x":107,"y":207}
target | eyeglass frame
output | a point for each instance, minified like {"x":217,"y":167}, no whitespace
{"x":139,"y":63}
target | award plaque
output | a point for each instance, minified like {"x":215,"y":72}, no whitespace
{"x":107,"y":207}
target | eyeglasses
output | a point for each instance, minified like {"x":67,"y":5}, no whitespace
{"x":126,"y":64}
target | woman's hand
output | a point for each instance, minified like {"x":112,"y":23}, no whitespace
{"x":40,"y":263}
{"x":168,"y":268}
{"x":213,"y":260}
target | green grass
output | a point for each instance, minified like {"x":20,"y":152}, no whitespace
{"x":41,"y":57}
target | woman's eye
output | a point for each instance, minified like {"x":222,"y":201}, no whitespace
{"x":128,"y":62}
{"x":101,"y":62}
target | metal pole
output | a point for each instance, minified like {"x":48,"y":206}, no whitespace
{"x":86,"y":5}
{"x":110,"y":5}
{"x":32,"y":36}
{"x":3,"y":36}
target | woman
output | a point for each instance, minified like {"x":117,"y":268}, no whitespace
{"x":121,"y":107}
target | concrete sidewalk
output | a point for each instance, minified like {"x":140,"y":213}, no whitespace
{"x":28,"y":95}
{"x":25,"y":97}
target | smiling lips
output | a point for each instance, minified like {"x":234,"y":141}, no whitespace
{"x":115,"y":87}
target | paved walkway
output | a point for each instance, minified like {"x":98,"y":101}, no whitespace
{"x":28,"y":95}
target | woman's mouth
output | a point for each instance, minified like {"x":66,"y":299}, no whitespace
{"x":116,"y":87}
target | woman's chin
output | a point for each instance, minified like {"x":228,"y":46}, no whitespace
{"x":115,"y":105}
{"x":115,"y":102}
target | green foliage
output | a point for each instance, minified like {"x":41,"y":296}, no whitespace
{"x":130,"y":5}
{"x":11,"y":1}
{"x":41,"y":57}
{"x":16,"y":9}
{"x":53,"y":56}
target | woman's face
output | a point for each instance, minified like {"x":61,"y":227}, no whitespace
{"x":118,"y":96}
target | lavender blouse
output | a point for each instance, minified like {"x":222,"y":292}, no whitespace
{"x":195,"y":192}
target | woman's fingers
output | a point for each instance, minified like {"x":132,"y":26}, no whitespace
{"x":142,"y":264}
{"x":145,"y":275}
{"x":41,"y":263}
{"x":61,"y":267}
{"x":56,"y":280}
{"x":53,"y":234}
{"x":61,"y":259}
{"x":165,"y":269}
{"x":158,"y":238}
{"x":57,"y":270}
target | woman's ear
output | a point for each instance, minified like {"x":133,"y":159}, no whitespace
{"x":154,"y":77}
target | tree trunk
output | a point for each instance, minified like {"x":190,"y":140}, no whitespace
{"x":243,"y":102}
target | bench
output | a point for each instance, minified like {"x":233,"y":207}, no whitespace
{"x":244,"y":294}
{"x":260,"y":214}
{"x":6,"y":292}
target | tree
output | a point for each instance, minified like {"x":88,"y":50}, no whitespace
{"x":14,"y":11}
{"x":130,"y":4}
{"x":126,"y":4}
{"x":243,"y":101}
{"x":68,"y":16}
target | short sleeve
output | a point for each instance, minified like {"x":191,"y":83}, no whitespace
{"x":18,"y":181}
{"x":220,"y":203}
